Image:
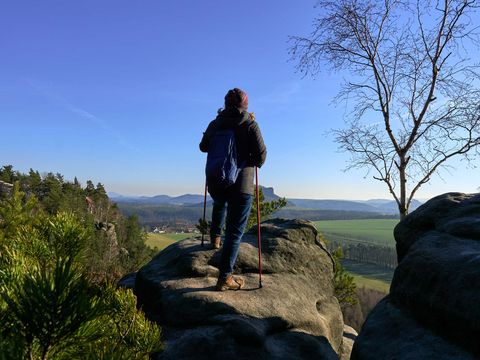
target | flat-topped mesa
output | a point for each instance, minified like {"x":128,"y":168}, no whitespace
{"x":433,"y":309}
{"x":295,"y":315}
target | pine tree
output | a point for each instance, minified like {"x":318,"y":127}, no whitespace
{"x":267,"y":208}
{"x":345,"y":288}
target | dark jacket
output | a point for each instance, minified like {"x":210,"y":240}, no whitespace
{"x":251,"y":149}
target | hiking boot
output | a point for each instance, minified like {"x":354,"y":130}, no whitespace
{"x":229,"y":283}
{"x":216,"y":242}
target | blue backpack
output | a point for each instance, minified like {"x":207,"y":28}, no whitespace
{"x":222,"y":167}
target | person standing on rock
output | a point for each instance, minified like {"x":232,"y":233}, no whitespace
{"x":232,"y":204}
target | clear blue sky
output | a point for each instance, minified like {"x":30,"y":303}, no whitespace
{"x":120,"y":92}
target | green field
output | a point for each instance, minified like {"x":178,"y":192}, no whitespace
{"x":161,"y":241}
{"x":369,"y":275}
{"x":371,"y":283}
{"x":378,"y":232}
{"x":375,"y":232}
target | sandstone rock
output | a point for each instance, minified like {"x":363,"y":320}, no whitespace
{"x":452,"y":213}
{"x":433,"y":307}
{"x":294,"y":316}
{"x":349,"y":337}
{"x":128,"y":281}
{"x":5,"y":188}
{"x":113,"y":250}
{"x":391,"y":333}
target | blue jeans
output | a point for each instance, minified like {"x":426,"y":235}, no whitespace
{"x":237,"y":207}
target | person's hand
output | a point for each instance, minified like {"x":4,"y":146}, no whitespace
{"x":252,"y":116}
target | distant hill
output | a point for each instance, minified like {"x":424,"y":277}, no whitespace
{"x":189,"y":207}
{"x":345,"y":205}
{"x":377,"y":206}
{"x":390,"y":206}
{"x":187,"y":199}
{"x":382,"y":206}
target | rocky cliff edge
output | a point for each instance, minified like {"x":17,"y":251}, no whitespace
{"x":295,"y":315}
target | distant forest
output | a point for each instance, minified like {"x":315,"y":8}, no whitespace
{"x":367,"y":253}
{"x":314,"y":215}
{"x":154,"y":215}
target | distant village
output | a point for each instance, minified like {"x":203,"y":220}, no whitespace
{"x":176,"y":228}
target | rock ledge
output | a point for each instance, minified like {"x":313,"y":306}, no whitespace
{"x":294,"y":316}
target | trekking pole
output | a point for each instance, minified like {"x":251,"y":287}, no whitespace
{"x":204,"y":210}
{"x":258,"y":232}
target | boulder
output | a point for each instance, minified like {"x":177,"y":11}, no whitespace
{"x":295,"y":315}
{"x":432,"y":310}
{"x":391,"y":332}
{"x":455,"y":214}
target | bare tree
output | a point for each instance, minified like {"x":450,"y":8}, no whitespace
{"x":415,"y":91}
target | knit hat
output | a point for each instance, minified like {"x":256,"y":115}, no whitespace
{"x":236,"y":98}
